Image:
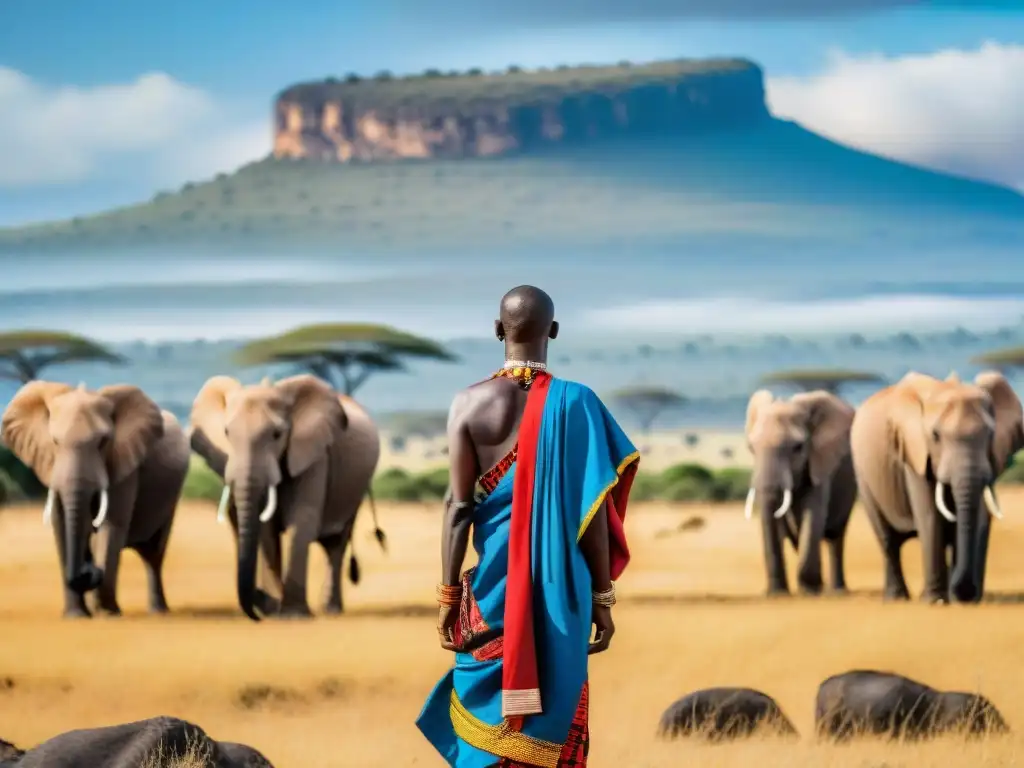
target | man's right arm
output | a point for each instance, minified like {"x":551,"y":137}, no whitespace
{"x":458,"y":513}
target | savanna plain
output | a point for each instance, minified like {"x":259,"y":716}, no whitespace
{"x":345,"y":691}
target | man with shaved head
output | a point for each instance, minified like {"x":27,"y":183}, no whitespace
{"x":541,"y":472}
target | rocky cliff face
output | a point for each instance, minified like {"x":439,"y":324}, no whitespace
{"x":476,"y":115}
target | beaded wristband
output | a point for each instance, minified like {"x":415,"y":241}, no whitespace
{"x":605,"y":599}
{"x":449,"y":594}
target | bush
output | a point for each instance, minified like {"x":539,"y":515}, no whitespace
{"x":201,"y":481}
{"x":396,"y":485}
{"x":1014,"y":473}
{"x":682,"y":482}
{"x":19,"y":481}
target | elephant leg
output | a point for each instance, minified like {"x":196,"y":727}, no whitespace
{"x":74,"y":602}
{"x":152,"y":553}
{"x":891,"y":542}
{"x":334,"y":547}
{"x":270,"y":589}
{"x":932,"y":534}
{"x":984,"y":529}
{"x":110,"y":540}
{"x":775,"y":563}
{"x":294,"y":601}
{"x":836,"y":546}
{"x":812,"y":529}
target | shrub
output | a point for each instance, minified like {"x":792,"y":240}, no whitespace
{"x":689,"y":488}
{"x":1014,"y":474}
{"x":201,"y":481}
{"x":731,"y":484}
{"x":688,"y":471}
{"x":395,"y":485}
{"x":20,"y":481}
{"x":647,"y":486}
{"x":682,"y":482}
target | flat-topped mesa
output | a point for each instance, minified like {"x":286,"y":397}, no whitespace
{"x":477,"y":115}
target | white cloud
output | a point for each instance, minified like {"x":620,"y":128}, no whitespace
{"x":953,"y":110}
{"x":869,"y":313}
{"x":154,"y":127}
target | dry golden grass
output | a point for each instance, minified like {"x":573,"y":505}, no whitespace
{"x":197,"y":755}
{"x":346,"y":691}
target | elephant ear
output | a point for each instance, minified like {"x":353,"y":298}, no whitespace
{"x":206,"y":430}
{"x":26,"y":426}
{"x":138,"y":424}
{"x":906,"y":428}
{"x":1009,"y":432}
{"x":756,"y":405}
{"x":317,"y":418}
{"x":828,"y":423}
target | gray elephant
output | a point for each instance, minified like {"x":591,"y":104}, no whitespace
{"x":863,"y":702}
{"x":723,"y":714}
{"x":113,"y":461}
{"x":160,"y":742}
{"x":927,"y":453}
{"x":297,"y":458}
{"x":9,"y":754}
{"x":804,"y":480}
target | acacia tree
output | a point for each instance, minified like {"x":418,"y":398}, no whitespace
{"x":1006,"y":361}
{"x":828,"y":379}
{"x":646,"y":403}
{"x":24,"y":354}
{"x":425,"y":424}
{"x":343,"y":354}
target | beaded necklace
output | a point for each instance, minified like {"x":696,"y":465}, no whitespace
{"x":521,"y":372}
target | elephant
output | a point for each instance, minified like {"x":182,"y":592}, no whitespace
{"x":803,"y":476}
{"x":927,"y":453}
{"x":296,"y":458}
{"x":113,"y":462}
{"x":160,"y":742}
{"x":862,"y":702}
{"x":9,"y":754}
{"x":720,"y":714}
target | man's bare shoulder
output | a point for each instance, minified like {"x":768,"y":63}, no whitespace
{"x":480,"y":396}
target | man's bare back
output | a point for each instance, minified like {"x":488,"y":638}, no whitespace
{"x":484,"y":423}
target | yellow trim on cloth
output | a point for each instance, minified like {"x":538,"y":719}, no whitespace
{"x":623,"y":465}
{"x":501,"y":740}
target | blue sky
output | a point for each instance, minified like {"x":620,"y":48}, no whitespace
{"x":222,"y":62}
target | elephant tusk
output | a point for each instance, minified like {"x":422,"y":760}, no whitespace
{"x":222,"y":508}
{"x":51,"y":501}
{"x":268,"y":511}
{"x":992,"y":504}
{"x":787,"y":501}
{"x":102,"y":514}
{"x":748,"y":510}
{"x":940,"y":503}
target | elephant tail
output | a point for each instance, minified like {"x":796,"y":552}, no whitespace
{"x":378,"y":532}
{"x":353,"y":567}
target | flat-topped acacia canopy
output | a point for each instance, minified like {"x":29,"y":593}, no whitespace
{"x":353,"y":350}
{"x":25,"y":353}
{"x":828,"y":379}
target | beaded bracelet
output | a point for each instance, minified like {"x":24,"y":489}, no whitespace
{"x":605,"y":599}
{"x":449,"y":594}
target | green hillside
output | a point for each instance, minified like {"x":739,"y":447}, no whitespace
{"x":776,"y":180}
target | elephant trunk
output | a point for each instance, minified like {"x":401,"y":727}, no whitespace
{"x":246,"y":498}
{"x":79,"y":575}
{"x":772,"y":482}
{"x":967,"y":493}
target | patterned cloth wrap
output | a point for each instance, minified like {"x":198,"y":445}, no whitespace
{"x":518,"y":697}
